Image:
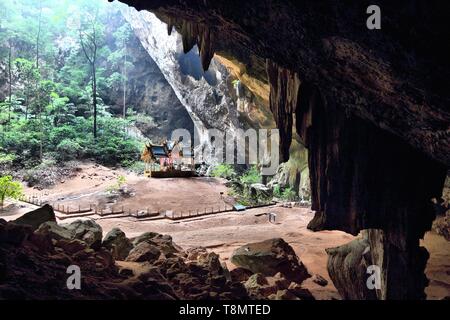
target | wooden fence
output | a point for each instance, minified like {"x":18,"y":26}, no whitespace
{"x":71,"y":211}
{"x":173,"y":215}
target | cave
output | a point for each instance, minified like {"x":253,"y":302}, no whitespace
{"x":369,"y":105}
{"x":355,"y":97}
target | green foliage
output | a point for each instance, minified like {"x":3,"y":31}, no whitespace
{"x":68,"y":149}
{"x":224,"y":170}
{"x":121,"y":180}
{"x":288,"y":194}
{"x":9,"y":189}
{"x":251,"y":176}
{"x":6,"y":159}
{"x":277,"y":191}
{"x":137,"y":167}
{"x":51,"y":103}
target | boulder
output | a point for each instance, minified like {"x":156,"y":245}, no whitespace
{"x":225,"y":271}
{"x":143,"y":237}
{"x":270,"y":257}
{"x":255,"y":281}
{"x":86,"y":230}
{"x":37,"y":217}
{"x":43,"y":242}
{"x":240,"y":274}
{"x":321,"y":281}
{"x":126,"y":272}
{"x":55,"y":231}
{"x":442,"y":225}
{"x":193,"y":254}
{"x":117,"y":243}
{"x":71,"y":247}
{"x":347,"y":267}
{"x":302,"y":293}
{"x":144,"y":251}
{"x":14,"y":234}
{"x":162,"y":241}
{"x":283,"y":295}
{"x":279,"y":281}
{"x":211,"y":262}
{"x":259,"y":190}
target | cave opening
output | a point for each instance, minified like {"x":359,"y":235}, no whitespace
{"x":358,"y":119}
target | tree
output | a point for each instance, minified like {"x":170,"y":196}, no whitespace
{"x":122,"y":36}
{"x":89,"y":41}
{"x":9,"y":189}
{"x":9,"y":80}
{"x":29,"y":76}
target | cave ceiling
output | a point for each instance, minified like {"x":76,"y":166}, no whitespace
{"x":397,"y":78}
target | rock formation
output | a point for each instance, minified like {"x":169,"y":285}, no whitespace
{"x":34,"y":264}
{"x":370,"y":106}
{"x":205,"y":94}
{"x":270,"y":257}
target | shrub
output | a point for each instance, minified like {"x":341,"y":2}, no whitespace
{"x":223,"y":170}
{"x":277,"y":191}
{"x":136,"y":166}
{"x":121,"y":180}
{"x":251,"y":176}
{"x":9,"y":189}
{"x":289,"y":194}
{"x":68,"y":149}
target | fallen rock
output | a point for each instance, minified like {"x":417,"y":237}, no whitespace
{"x":117,"y":243}
{"x":71,"y":246}
{"x":193,"y":254}
{"x":259,"y":190}
{"x":270,"y":257}
{"x":14,"y":234}
{"x":240,"y":274}
{"x":144,"y":251}
{"x":301,"y":293}
{"x":54,"y":230}
{"x":347,"y":267}
{"x":442,"y":225}
{"x":126,"y":272}
{"x":321,"y":281}
{"x":255,"y":281}
{"x":143,"y":237}
{"x":86,"y":230}
{"x":162,"y":241}
{"x":283,"y":295}
{"x":225,"y":271}
{"x":211,"y":262}
{"x":37,"y":217}
{"x":279,"y":281}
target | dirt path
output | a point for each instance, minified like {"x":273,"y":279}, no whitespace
{"x":91,"y":184}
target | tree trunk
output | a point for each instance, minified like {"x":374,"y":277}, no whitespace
{"x":38,"y":37}
{"x":94,"y":98}
{"x":124,"y":79}
{"x":10,"y":83}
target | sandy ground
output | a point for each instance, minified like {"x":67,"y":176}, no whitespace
{"x":223,"y":232}
{"x":90,"y":187}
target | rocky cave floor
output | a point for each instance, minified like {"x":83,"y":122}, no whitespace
{"x":196,"y":258}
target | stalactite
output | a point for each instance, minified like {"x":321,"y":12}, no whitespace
{"x":206,"y":46}
{"x":189,"y":33}
{"x":284,"y":87}
{"x":192,"y":34}
{"x":366,"y":178}
{"x":169,"y":26}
